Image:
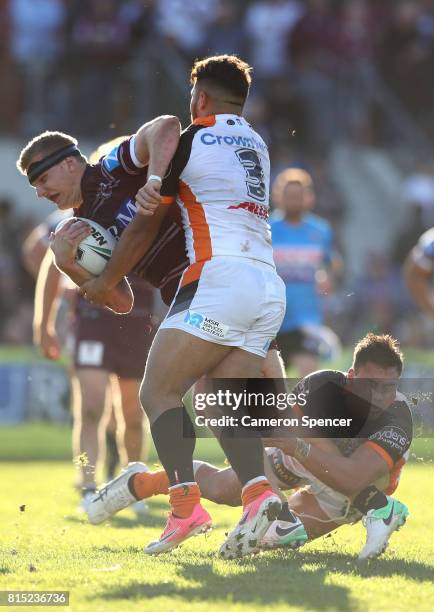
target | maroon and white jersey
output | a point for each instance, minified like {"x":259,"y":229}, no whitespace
{"x":109,"y":189}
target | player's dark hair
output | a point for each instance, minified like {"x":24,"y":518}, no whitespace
{"x":228,"y":72}
{"x":383,"y":350}
{"x":46,"y":143}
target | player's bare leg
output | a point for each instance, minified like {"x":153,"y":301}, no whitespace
{"x":223,"y":487}
{"x":273,"y":366}
{"x":112,"y":457}
{"x":89,"y":389}
{"x":316,"y":522}
{"x":218,"y":485}
{"x":261,"y":505}
{"x":177,"y":359}
{"x":133,"y":438}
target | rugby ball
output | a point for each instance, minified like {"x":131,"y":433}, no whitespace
{"x":94,"y":251}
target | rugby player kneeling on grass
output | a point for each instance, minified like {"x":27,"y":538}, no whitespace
{"x":341,"y":480}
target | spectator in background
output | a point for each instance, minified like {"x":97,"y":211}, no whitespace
{"x":306,"y":260}
{"x":184,"y":24}
{"x":268,"y":24}
{"x":311,"y":49}
{"x":406,"y":57}
{"x":380,"y":297}
{"x":355,"y":43}
{"x":223,"y":33}
{"x":417,"y":192}
{"x":36,"y":44}
{"x":333,"y":51}
{"x":328,"y":202}
{"x":311,"y":44}
{"x":15,"y":285}
{"x":258,"y":112}
{"x":10,"y":89}
{"x":101,"y":43}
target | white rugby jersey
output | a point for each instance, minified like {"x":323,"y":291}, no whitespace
{"x":220,"y":178}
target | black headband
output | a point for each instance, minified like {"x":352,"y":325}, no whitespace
{"x":35,"y":170}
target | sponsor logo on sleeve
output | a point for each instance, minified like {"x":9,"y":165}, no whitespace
{"x":392,"y":437}
{"x":111,"y":160}
{"x":210,"y":326}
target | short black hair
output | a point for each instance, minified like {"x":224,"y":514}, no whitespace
{"x":228,"y":72}
{"x":383,"y":350}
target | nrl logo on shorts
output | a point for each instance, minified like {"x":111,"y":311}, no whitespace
{"x":194,"y":319}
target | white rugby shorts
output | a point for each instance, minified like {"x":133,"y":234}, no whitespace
{"x":334,"y":504}
{"x":229,"y":300}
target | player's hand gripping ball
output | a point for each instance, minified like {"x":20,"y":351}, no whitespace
{"x":95,"y":250}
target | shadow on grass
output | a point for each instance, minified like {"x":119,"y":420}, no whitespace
{"x":128,"y":519}
{"x":276,"y":578}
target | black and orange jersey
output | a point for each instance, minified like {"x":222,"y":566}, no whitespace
{"x":330,"y":393}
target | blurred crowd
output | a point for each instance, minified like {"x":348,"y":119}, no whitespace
{"x":316,"y":60}
{"x":98,"y":68}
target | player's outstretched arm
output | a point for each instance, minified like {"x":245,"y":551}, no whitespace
{"x":34,"y":249}
{"x":45,"y":307}
{"x":64,"y":245}
{"x":419,"y":284}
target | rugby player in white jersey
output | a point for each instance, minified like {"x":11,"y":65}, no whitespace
{"x":230,"y":302}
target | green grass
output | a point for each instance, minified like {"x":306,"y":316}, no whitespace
{"x":104,"y":567}
{"x":40,"y":441}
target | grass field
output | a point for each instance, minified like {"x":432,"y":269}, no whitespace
{"x":50,"y":546}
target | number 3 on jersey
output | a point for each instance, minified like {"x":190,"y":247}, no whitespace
{"x":251,"y":163}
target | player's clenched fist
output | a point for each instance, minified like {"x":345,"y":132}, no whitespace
{"x":148,"y":197}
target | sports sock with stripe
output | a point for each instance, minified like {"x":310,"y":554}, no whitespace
{"x":183,"y":499}
{"x":253,"y":491}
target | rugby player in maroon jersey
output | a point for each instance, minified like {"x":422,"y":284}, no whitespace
{"x":107,"y":353}
{"x":106,"y":192}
